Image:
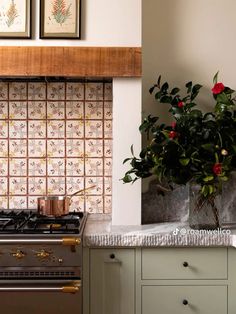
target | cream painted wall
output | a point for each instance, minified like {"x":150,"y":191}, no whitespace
{"x":104,"y":23}
{"x":187,"y":40}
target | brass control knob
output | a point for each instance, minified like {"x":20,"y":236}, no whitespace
{"x":18,"y":254}
{"x":43,"y":254}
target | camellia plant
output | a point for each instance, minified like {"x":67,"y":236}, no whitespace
{"x":196,"y":147}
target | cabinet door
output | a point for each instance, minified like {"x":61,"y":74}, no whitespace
{"x":112,"y":281}
{"x":184,"y":299}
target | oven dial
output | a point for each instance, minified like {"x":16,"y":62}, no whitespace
{"x":42,"y":254}
{"x":18,"y":254}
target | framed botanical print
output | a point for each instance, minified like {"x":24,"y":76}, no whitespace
{"x":60,"y":19}
{"x":15,"y":19}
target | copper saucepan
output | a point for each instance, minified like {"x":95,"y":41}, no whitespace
{"x":57,"y":205}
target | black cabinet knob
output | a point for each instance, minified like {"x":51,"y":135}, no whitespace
{"x":185,"y":264}
{"x":185,"y":302}
{"x":112,"y":256}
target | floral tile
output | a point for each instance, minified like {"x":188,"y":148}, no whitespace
{"x":77,"y":204}
{"x":17,"y":91}
{"x":3,"y":148}
{"x":94,"y":204}
{"x":17,"y":186}
{"x":74,"y":129}
{"x":56,"y":91}
{"x":98,"y":182}
{"x":75,"y":167}
{"x":94,"y":91}
{"x":32,"y":202}
{"x":56,"y":110}
{"x":4,"y":186}
{"x":17,"y":129}
{"x":56,"y":186}
{"x":108,"y":185}
{"x":108,"y":129}
{"x":107,"y":204}
{"x":94,"y":148}
{"x":17,"y":202}
{"x":37,"y":110}
{"x":36,"y":129}
{"x":37,"y":148}
{"x":17,"y":148}
{"x":3,"y":166}
{"x":37,"y":167}
{"x":56,"y":129}
{"x":56,"y":167}
{"x":3,"y":202}
{"x":108,"y":91}
{"x":108,"y":148}
{"x":3,"y":91}
{"x":74,"y":110}
{"x":93,"y":110}
{"x":37,"y":186}
{"x":107,"y":166}
{"x":18,"y":110}
{"x":74,"y":184}
{"x":74,"y":148}
{"x":3,"y":110}
{"x":3,"y":129}
{"x":93,"y":166}
{"x":56,"y":148}
{"x":18,"y":167}
{"x":94,"y":129}
{"x":36,"y":91}
{"x":107,"y":110}
{"x":74,"y":91}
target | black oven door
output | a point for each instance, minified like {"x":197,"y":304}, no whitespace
{"x":41,"y":297}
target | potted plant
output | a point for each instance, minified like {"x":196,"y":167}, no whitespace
{"x":198,"y":148}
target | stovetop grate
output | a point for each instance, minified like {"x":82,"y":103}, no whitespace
{"x":27,"y":222}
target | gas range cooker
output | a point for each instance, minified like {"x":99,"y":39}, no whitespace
{"x":23,"y":223}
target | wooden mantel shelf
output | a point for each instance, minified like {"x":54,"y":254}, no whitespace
{"x":70,"y":61}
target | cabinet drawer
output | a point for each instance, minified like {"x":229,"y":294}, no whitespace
{"x":184,"y":263}
{"x":184,"y":299}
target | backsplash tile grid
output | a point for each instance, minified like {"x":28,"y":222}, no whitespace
{"x":55,"y":137}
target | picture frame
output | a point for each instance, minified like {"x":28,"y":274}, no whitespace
{"x":15,"y":19}
{"x":60,"y":19}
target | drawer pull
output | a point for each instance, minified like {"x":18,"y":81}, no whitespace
{"x":185,"y":264}
{"x":185,"y":302}
{"x":112,"y":256}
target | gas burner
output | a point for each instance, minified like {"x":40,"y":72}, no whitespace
{"x":27,"y":222}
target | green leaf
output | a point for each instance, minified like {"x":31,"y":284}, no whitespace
{"x":184,"y":161}
{"x":209,"y":147}
{"x":224,"y":178}
{"x":175,"y":91}
{"x":152,"y":89}
{"x":132,"y":149}
{"x":127,"y":178}
{"x":159,"y":81}
{"x":126,"y":159}
{"x":208,"y":178}
{"x":189,"y":86}
{"x":165,"y":87}
{"x":215,"y":78}
{"x":211,"y":189}
{"x":166,"y":99}
{"x":158,"y":95}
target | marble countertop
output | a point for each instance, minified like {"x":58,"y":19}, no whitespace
{"x":99,"y":232}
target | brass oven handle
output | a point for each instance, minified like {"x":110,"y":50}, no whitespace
{"x":64,"y":289}
{"x":70,"y":241}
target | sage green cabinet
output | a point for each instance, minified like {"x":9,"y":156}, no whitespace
{"x":184,"y":299}
{"x":112,"y":281}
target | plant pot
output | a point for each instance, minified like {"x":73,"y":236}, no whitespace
{"x":203,"y":211}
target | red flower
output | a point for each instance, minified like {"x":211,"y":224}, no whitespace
{"x":173,"y":134}
{"x":217,"y":169}
{"x":180,"y":104}
{"x":173,"y":125}
{"x":218,"y":88}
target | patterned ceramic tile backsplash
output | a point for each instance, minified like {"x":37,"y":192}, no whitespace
{"x":55,"y":137}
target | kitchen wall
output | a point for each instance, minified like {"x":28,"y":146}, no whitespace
{"x":56,"y":139}
{"x":111,"y":23}
{"x":187,"y":40}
